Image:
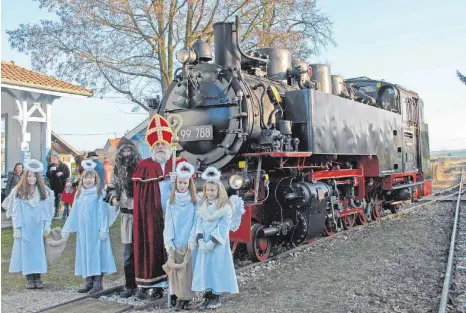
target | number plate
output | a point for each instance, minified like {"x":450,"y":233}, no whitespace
{"x":196,"y":133}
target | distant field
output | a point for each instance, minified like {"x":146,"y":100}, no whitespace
{"x":448,"y":153}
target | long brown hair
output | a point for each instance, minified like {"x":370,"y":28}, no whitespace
{"x":192,"y":191}
{"x":22,"y":187}
{"x":87,"y":173}
{"x":222,"y":194}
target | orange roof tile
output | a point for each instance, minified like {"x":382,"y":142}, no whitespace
{"x":19,"y":76}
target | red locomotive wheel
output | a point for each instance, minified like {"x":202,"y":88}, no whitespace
{"x":361,"y":219}
{"x":327,"y":231}
{"x":349,"y":221}
{"x":376,"y":212}
{"x":259,"y":249}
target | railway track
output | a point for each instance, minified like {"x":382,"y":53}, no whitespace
{"x":453,"y":297}
{"x":94,"y":303}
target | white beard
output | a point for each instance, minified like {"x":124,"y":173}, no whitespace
{"x":162,"y":157}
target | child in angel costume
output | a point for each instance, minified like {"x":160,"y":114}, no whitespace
{"x":91,"y":219}
{"x":214,"y":271}
{"x":32,"y":212}
{"x":178,"y":235}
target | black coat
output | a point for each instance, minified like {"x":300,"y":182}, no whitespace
{"x":12,"y":181}
{"x":57,"y":183}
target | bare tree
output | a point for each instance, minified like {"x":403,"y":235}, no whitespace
{"x":128,"y":46}
{"x":461,"y":77}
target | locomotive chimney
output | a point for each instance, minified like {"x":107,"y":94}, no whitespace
{"x":226,"y":49}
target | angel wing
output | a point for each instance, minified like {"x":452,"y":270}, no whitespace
{"x":7,"y":204}
{"x":237,"y":212}
{"x":113,"y":212}
{"x":50,"y":203}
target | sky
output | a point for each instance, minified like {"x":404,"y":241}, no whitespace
{"x":418,"y":44}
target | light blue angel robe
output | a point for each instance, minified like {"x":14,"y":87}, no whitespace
{"x":90,"y":215}
{"x":214,"y":270}
{"x":180,"y":223}
{"x":28,"y":255}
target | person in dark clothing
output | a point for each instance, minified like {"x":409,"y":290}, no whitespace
{"x":57,"y":173}
{"x":13,"y":178}
{"x":120,"y":191}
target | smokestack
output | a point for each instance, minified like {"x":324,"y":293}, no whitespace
{"x":226,"y":50}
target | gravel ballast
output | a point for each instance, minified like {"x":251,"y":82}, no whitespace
{"x":28,"y":300}
{"x":395,"y":266}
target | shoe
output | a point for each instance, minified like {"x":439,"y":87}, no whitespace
{"x":128,"y":292}
{"x":141,"y":293}
{"x":88,"y":285}
{"x":207,"y":297}
{"x":157,"y":293}
{"x":179,"y":305}
{"x":38,"y":281}
{"x":186,"y":306}
{"x":30,"y":284}
{"x":173,"y":299}
{"x":214,"y":302}
{"x":98,"y":286}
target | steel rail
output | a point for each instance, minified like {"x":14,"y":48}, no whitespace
{"x":439,"y":194}
{"x":448,"y":273}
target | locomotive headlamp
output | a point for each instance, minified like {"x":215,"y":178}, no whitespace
{"x":236,"y":182}
{"x":240,"y":181}
{"x":186,"y":55}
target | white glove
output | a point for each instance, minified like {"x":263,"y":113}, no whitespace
{"x":17,"y":233}
{"x":209,"y":246}
{"x":65,"y":234}
{"x":46,"y":230}
{"x":172,"y":177}
{"x":170,"y":247}
{"x":201,"y":243}
{"x":192,"y":245}
{"x":103,"y":235}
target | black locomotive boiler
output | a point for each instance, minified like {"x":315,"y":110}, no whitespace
{"x":309,"y":152}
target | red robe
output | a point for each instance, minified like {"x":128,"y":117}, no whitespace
{"x":149,"y":250}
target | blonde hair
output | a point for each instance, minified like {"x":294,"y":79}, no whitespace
{"x":223,"y":199}
{"x":22,"y":187}
{"x":88,"y":173}
{"x":192,"y":191}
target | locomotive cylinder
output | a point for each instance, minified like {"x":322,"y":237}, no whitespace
{"x":279,"y":62}
{"x":321,"y":74}
{"x":267,"y":232}
{"x":337,"y":85}
{"x":226,"y":50}
{"x":403,"y":194}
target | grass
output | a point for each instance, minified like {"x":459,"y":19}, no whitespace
{"x":60,"y":274}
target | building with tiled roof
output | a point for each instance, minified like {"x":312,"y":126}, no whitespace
{"x":19,"y":76}
{"x":111,"y":145}
{"x":27,"y":99}
{"x":66,"y":151}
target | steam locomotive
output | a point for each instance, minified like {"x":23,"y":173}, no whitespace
{"x":310,"y":153}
